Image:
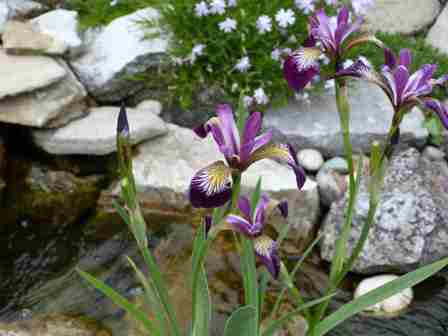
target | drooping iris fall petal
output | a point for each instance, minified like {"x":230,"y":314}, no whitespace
{"x":245,"y":226}
{"x":301,"y":67}
{"x":211,"y":186}
{"x":439,"y":108}
{"x":267,"y":251}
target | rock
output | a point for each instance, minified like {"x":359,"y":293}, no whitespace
{"x":21,"y":38}
{"x":433,"y":153}
{"x":63,"y":26}
{"x":316,"y":125}
{"x":410,"y":224}
{"x":52,"y":106}
{"x":164,"y":167}
{"x":27,"y":73}
{"x":332,"y":186}
{"x":390,"y":307}
{"x":4,"y":16}
{"x":106,"y":67}
{"x":337,"y":164}
{"x":437,"y":35}
{"x":95,"y":134}
{"x":152,"y":106}
{"x":310,"y":159}
{"x":53,"y":325}
{"x":21,"y":9}
{"x":405,"y":17}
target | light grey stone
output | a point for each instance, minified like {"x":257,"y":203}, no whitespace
{"x":51,"y":106}
{"x":316,"y":124}
{"x":411,"y":223}
{"x":95,"y":134}
{"x":310,"y":159}
{"x":4,"y":15}
{"x":63,"y":26}
{"x":106,"y":66}
{"x":406,"y":17}
{"x":164,"y":167}
{"x":20,"y":9}
{"x":153,"y":106}
{"x":337,"y":164}
{"x":27,"y":73}
{"x":433,"y":153}
{"x":332,"y":186}
{"x":23,"y":38}
{"x":438,"y":34}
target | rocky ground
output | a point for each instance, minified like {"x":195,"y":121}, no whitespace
{"x":59,"y":98}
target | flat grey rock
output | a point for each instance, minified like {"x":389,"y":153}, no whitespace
{"x":95,"y":134}
{"x":438,"y":34}
{"x":166,"y":165}
{"x":405,"y":17}
{"x":107,"y":66}
{"x":411,"y":222}
{"x":27,"y":73}
{"x":51,"y":106}
{"x":316,"y":124}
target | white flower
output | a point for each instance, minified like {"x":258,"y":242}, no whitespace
{"x":285,"y":18}
{"x":218,"y":7}
{"x":329,"y":84}
{"x":307,"y":6}
{"x":243,"y":64}
{"x":264,"y":24}
{"x":260,"y":97}
{"x":275,"y":54}
{"x":248,"y":101}
{"x":197,"y":50}
{"x":227,"y":25}
{"x":201,"y":9}
{"x":287,"y":51}
{"x":231,"y":3}
{"x":331,"y":2}
{"x":362,"y":6}
{"x":234,"y":87}
{"x":113,"y":3}
{"x":347,"y":63}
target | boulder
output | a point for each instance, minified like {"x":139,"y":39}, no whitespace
{"x":95,"y":134}
{"x":51,"y":106}
{"x":107,"y":67}
{"x":438,"y":34}
{"x":21,"y":38}
{"x":152,"y":106}
{"x":21,"y":9}
{"x":316,"y":124}
{"x":410,"y":226}
{"x":27,"y":73}
{"x":63,"y":26}
{"x":404,"y":17}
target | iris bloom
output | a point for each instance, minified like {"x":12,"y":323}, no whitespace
{"x":404,"y":90}
{"x":330,"y":34}
{"x":212,"y":186}
{"x":251,"y":224}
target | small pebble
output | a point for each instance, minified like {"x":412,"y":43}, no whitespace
{"x":332,"y":186}
{"x":310,"y":159}
{"x":433,"y":153}
{"x":337,"y":164}
{"x":389,"y":307}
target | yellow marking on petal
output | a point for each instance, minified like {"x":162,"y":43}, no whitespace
{"x":306,"y":58}
{"x":214,"y":178}
{"x":272,"y":151}
{"x":263,"y":245}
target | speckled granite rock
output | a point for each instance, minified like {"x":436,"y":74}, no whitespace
{"x":411,"y":223}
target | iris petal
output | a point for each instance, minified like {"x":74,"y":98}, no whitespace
{"x":405,"y":58}
{"x":301,"y":66}
{"x":284,"y":153}
{"x":259,"y":212}
{"x":242,"y":225}
{"x":266,"y":250}
{"x":228,"y":127}
{"x":244,"y":206}
{"x":389,"y":58}
{"x":211,"y":186}
{"x":441,"y":110}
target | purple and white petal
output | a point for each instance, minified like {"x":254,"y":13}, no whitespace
{"x":228,"y":127}
{"x":283,"y":207}
{"x":260,"y":210}
{"x":301,"y":67}
{"x":389,"y":59}
{"x":240,"y":224}
{"x":441,"y":110}
{"x":267,"y":251}
{"x":248,"y":148}
{"x":405,"y":58}
{"x":211,"y":186}
{"x":244,"y":206}
{"x":284,"y":153}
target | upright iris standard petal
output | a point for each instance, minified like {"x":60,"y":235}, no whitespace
{"x":260,"y":209}
{"x":244,"y":206}
{"x":283,"y":153}
{"x":405,"y":58}
{"x":439,"y":108}
{"x":229,"y":128}
{"x":301,"y":67}
{"x":211,"y":186}
{"x":267,"y":251}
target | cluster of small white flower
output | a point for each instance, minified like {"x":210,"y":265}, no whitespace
{"x":259,"y":97}
{"x":361,"y":7}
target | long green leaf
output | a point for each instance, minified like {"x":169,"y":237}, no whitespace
{"x":250,"y":280}
{"x":122,"y":302}
{"x":378,"y":295}
{"x":285,"y":318}
{"x":151,"y":298}
{"x":240,"y":322}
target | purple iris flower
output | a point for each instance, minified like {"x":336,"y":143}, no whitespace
{"x":212,"y":186}
{"x":251,"y":224}
{"x":404,"y":90}
{"x":330,"y":34}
